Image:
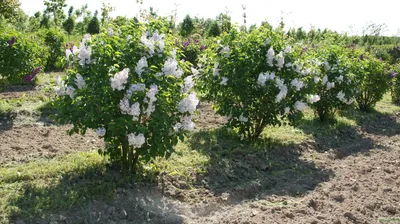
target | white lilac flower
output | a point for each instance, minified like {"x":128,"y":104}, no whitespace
{"x":60,"y":91}
{"x":288,"y":65}
{"x":262,"y":78}
{"x":173,"y":53}
{"x":139,"y":87}
{"x":298,"y":84}
{"x":324,"y":79}
{"x":140,"y":66}
{"x":129,"y":37}
{"x":330,"y":85}
{"x":283,"y":90}
{"x":270,"y":56}
{"x":189,"y":84}
{"x":297,"y":68}
{"x":150,"y":99}
{"x":313,"y":99}
{"x":300,"y":106}
{"x":288,"y":49}
{"x":171,"y":68}
{"x":148,"y":44}
{"x":243,"y":119}
{"x":341,"y":96}
{"x":133,"y":110}
{"x":195,"y":72}
{"x":305,"y":72}
{"x":79,"y":81}
{"x":177,"y":127}
{"x":267,"y":42}
{"x":101,"y":132}
{"x":188,"y":104}
{"x":339,"y":79}
{"x":280,"y":60}
{"x":136,"y":140}
{"x":327,"y":66}
{"x":216,"y":69}
{"x":110,"y":31}
{"x":119,"y":80}
{"x":187,"y":123}
{"x":70,"y":91}
{"x":287,"y":110}
{"x":224,"y":81}
{"x":84,"y":55}
{"x":68,"y":52}
{"x":316,"y":79}
{"x":226,"y":51}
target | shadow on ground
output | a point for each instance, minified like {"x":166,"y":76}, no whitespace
{"x":238,"y":171}
{"x":91,"y":195}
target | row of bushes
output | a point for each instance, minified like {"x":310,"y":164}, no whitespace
{"x":135,"y":86}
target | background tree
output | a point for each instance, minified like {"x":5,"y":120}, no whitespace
{"x":69,"y":24}
{"x":214,"y":30}
{"x":83,"y":18}
{"x":106,"y":9}
{"x":56,"y":9}
{"x":186,"y":27}
{"x":9,"y":8}
{"x":94,"y":25}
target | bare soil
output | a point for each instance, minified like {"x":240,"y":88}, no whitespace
{"x":352,"y":176}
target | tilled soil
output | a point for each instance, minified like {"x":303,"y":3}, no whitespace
{"x":353,"y":177}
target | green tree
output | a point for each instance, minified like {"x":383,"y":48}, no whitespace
{"x":214,"y":30}
{"x":106,"y":9}
{"x":69,"y":24}
{"x":94,"y":25}
{"x":9,"y":8}
{"x":83,"y":18}
{"x":56,"y":9}
{"x":187,"y":26}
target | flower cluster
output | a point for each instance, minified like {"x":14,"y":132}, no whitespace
{"x":82,"y":53}
{"x":119,"y":80}
{"x":154,"y":43}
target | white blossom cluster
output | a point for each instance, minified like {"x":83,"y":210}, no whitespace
{"x":154,"y":44}
{"x":270,"y":56}
{"x":119,"y":80}
{"x":243,"y":119}
{"x":188,"y":104}
{"x":329,"y":85}
{"x":139,"y":87}
{"x":140,"y":66}
{"x":298,"y":84}
{"x":136,"y":140}
{"x":283,"y":90}
{"x":189,"y":84}
{"x":263,"y":77}
{"x":171,"y":67}
{"x":300,"y":106}
{"x":133,"y":109}
{"x":224,"y":81}
{"x":83,"y":53}
{"x":70,"y":91}
{"x":101,"y":132}
{"x":280,"y":60}
{"x":60,"y":86}
{"x":185,"y":125}
{"x":313,"y":99}
{"x":150,"y":99}
{"x":79,"y":81}
{"x":226,"y":51}
{"x":341,"y":96}
{"x":216,"y":69}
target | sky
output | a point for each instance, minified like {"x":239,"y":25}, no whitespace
{"x":341,"y":15}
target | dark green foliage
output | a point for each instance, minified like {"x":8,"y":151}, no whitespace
{"x":54,"y":41}
{"x":19,"y":55}
{"x":186,"y":27}
{"x":94,"y":25}
{"x":214,"y":30}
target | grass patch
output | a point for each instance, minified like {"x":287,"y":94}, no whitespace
{"x":36,"y":188}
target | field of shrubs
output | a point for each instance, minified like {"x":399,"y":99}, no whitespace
{"x":120,"y":120}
